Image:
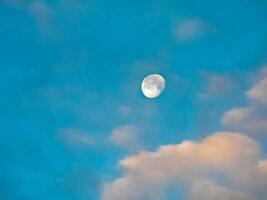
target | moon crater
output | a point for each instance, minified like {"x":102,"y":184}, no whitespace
{"x":153,"y":85}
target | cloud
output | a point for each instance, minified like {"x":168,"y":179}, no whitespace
{"x":253,"y":117}
{"x":125,"y":110}
{"x":233,"y":156}
{"x":76,"y":138}
{"x":15,"y":3}
{"x":218,"y":85}
{"x":247,"y":119}
{"x":258,"y":93}
{"x":126,"y":136}
{"x":208,"y":190}
{"x":39,"y":10}
{"x":190,"y":29}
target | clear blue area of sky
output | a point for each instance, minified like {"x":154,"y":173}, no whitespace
{"x":75,"y":64}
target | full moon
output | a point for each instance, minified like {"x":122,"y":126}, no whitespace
{"x":153,"y":85}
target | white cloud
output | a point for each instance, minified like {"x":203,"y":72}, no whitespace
{"x":247,"y":119}
{"x":258,"y":92}
{"x":190,"y":29}
{"x":252,"y":118}
{"x":237,"y":115}
{"x":126,"y":136}
{"x":230,"y":155}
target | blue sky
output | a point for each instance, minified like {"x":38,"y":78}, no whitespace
{"x":71,"y":107}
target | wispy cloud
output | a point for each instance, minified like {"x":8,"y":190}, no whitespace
{"x":76,"y":138}
{"x":40,"y":10}
{"x":125,"y":110}
{"x":189,"y":29}
{"x":258,"y":93}
{"x":253,"y":117}
{"x":127,"y":137}
{"x":218,"y":85}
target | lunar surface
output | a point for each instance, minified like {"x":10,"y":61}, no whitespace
{"x":153,"y":85}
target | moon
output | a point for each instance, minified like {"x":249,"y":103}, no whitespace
{"x":153,"y":85}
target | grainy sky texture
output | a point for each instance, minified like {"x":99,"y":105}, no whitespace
{"x":74,"y":124}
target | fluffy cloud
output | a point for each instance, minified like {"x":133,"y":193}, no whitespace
{"x":258,"y":92}
{"x":223,"y":166}
{"x":253,"y":117}
{"x":208,"y":190}
{"x":247,"y":119}
{"x":235,"y":157}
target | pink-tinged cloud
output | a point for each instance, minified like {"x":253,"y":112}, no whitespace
{"x":233,"y":156}
{"x":208,"y":190}
{"x":127,"y":137}
{"x":252,"y":118}
{"x":258,"y":92}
